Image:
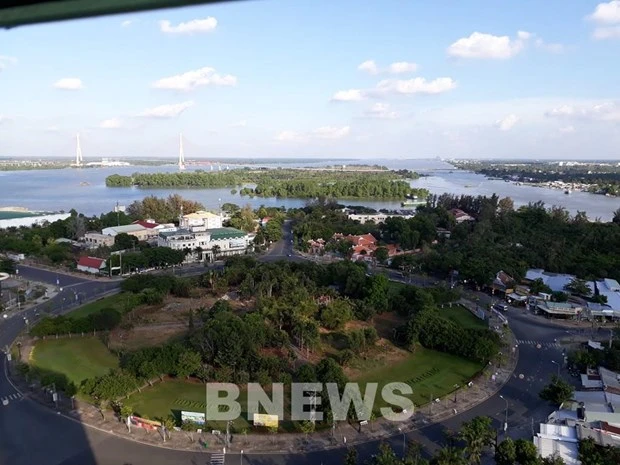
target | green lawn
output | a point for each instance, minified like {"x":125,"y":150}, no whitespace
{"x":122,"y":302}
{"x":78,"y":358}
{"x":462,"y":316}
{"x":431,"y":374}
{"x":172,"y":396}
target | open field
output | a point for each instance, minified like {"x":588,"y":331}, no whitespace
{"x":463,"y":317}
{"x":78,"y":358}
{"x":431,"y":374}
{"x":173,"y":395}
{"x":116,"y":301}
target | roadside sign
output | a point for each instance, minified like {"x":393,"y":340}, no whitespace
{"x":8,"y":357}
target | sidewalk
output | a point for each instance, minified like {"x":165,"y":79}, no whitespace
{"x":483,"y":387}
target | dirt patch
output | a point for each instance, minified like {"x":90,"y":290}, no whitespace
{"x":385,"y":323}
{"x":383,"y":353}
{"x":145,"y":336}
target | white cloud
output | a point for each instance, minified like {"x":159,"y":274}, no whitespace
{"x":127,"y":23}
{"x":602,"y":33}
{"x":369,"y":66}
{"x":331,"y":132}
{"x":112,"y":123}
{"x":417,"y":85}
{"x":606,"y":13}
{"x":549,"y":47}
{"x":190,"y":80}
{"x":605,"y":111}
{"x":381,"y":111}
{"x":190,"y":27}
{"x":351,"y":95}
{"x":487,"y":46}
{"x":507,"y":123}
{"x":607,"y":18}
{"x":69,"y":84}
{"x":402,"y":67}
{"x":322,"y":133}
{"x":5,"y":61}
{"x":567,"y":129}
{"x":398,"y":67}
{"x":167,"y":111}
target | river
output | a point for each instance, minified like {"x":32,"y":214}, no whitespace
{"x":85,"y":189}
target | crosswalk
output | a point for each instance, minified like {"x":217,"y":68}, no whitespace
{"x":5,"y":400}
{"x":217,"y":459}
{"x":536,"y":343}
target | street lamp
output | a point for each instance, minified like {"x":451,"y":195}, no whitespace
{"x":404,"y":441}
{"x":241,"y":458}
{"x":506,"y":420}
{"x":556,"y":363}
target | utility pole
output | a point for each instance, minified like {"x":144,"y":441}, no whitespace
{"x":431,"y":402}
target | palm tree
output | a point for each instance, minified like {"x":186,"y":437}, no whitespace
{"x":214,"y":251}
{"x":449,"y":456}
{"x":477,"y":434}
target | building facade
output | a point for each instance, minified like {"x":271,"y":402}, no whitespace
{"x":211,"y":243}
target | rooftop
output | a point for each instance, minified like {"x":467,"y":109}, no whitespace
{"x":226,"y":233}
{"x":200,"y":214}
{"x":91,"y":262}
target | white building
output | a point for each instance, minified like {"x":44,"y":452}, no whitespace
{"x":375,"y":217}
{"x":228,"y":241}
{"x":91,"y":264}
{"x":560,"y":440}
{"x":201,"y":219}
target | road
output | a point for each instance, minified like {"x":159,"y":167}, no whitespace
{"x":30,"y":433}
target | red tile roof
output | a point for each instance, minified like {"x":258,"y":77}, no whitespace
{"x":91,"y":262}
{"x":146,"y":224}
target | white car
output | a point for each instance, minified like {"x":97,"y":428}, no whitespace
{"x":5,"y":316}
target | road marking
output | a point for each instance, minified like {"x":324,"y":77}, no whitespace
{"x":535,"y":343}
{"x":5,"y":401}
{"x":217,"y":459}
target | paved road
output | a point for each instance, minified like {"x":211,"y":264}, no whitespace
{"x":31,"y":434}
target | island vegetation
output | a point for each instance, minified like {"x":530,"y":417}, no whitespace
{"x":595,"y":177}
{"x":281,"y":183}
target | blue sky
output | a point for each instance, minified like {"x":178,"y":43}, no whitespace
{"x":390,"y":79}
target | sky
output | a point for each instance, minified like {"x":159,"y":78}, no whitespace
{"x":306,"y":78}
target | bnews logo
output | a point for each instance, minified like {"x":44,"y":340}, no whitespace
{"x":306,"y":401}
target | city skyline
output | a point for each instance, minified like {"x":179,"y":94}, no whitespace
{"x":275,"y":79}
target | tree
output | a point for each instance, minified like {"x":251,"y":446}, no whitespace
{"x":506,"y":452}
{"x":553,"y":460}
{"x":189,"y":363}
{"x":449,"y":456}
{"x":307,"y":427}
{"x":526,"y":452}
{"x":7,"y":266}
{"x":579,"y":287}
{"x":124,"y":241}
{"x":351,"y":458}
{"x":477,"y":435}
{"x":616,"y":218}
{"x":557,"y":392}
{"x":381,"y":254}
{"x":126,"y":411}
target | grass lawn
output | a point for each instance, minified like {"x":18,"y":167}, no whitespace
{"x":116,"y":301}
{"x":431,"y":374}
{"x":462,"y":316}
{"x":78,"y":358}
{"x":172,"y":396}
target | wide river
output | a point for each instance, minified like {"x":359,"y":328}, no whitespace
{"x":85,"y":189}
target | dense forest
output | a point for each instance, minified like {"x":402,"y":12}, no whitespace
{"x":501,"y":238}
{"x":284,"y":182}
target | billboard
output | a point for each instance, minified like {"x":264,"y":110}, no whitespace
{"x":261,"y":419}
{"x":144,"y":423}
{"x":236,"y":243}
{"x":195,"y":417}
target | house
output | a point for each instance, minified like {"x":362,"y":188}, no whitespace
{"x":460,"y":216}
{"x":95,"y":240}
{"x":137,"y":230}
{"x":503,"y":283}
{"x":555,"y":281}
{"x":263,"y":222}
{"x":316,"y":246}
{"x":91,"y":264}
{"x":377,"y":217}
{"x":200,"y":219}
{"x":565,"y":310}
{"x":560,"y":440}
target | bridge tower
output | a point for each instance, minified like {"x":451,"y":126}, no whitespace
{"x":181,"y":154}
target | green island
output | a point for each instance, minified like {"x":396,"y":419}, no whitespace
{"x":149,"y":350}
{"x":298,"y":183}
{"x":595,"y":177}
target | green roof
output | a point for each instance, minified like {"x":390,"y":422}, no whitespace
{"x":226,"y":233}
{"x":9,"y":215}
